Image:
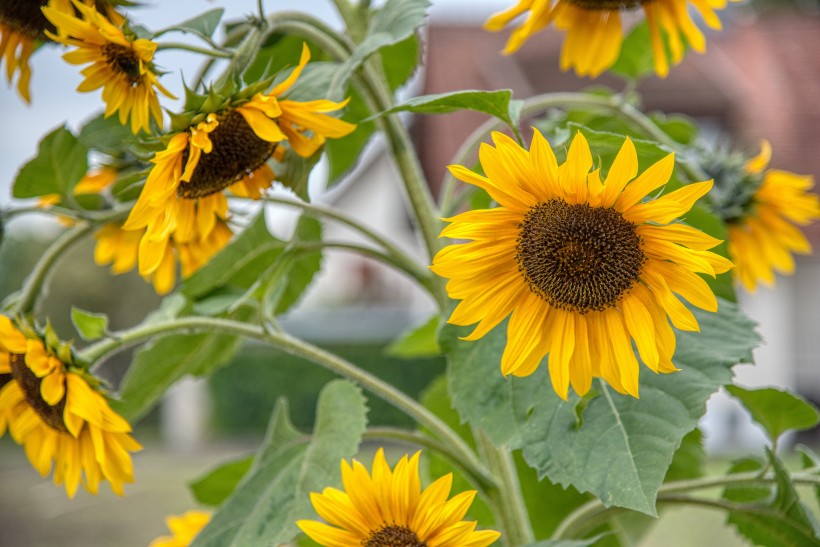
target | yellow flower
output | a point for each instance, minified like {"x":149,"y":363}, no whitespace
{"x":120,"y":65}
{"x":764,"y":238}
{"x":390,"y":508}
{"x":59,"y":418}
{"x":183,"y":197}
{"x":184,"y":528}
{"x":594,"y":33}
{"x":582,"y":264}
{"x":120,"y":248}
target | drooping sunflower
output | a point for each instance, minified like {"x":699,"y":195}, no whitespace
{"x":54,"y":411}
{"x":594,"y":33}
{"x":22,"y":29}
{"x":183,"y":197}
{"x":120,"y":64}
{"x":763,"y":236}
{"x":582,"y":265}
{"x":184,"y":528}
{"x":388,"y":507}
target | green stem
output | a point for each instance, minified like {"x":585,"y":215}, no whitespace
{"x":482,"y":481}
{"x":507,"y":498}
{"x":33,"y":286}
{"x":98,"y":351}
{"x":195,"y":49}
{"x":356,"y":26}
{"x":593,"y":512}
{"x":614,"y":105}
{"x":334,"y":214}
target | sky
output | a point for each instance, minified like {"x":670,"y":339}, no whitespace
{"x":55,"y":101}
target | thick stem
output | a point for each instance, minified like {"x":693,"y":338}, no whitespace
{"x":283,"y":341}
{"x":195,"y":49}
{"x":507,"y":498}
{"x":32,"y":288}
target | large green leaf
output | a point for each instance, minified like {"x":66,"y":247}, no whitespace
{"x":419,"y":341}
{"x":777,"y":411}
{"x":635,"y":59}
{"x":495,"y":103}
{"x":275,"y":493}
{"x":400,"y":60}
{"x":60,"y":163}
{"x":396,"y":21}
{"x":624,"y":447}
{"x":770,"y":519}
{"x":204,"y":24}
{"x":91,"y":326}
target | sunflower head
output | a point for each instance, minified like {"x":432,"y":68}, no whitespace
{"x":582,"y":264}
{"x":388,"y":508}
{"x":54,"y":408}
{"x":762,"y":208}
{"x":121,"y":64}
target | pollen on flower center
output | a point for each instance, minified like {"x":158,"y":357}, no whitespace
{"x":30,"y":385}
{"x":601,"y":5}
{"x":25,"y":17}
{"x":393,"y":536}
{"x":237,"y":152}
{"x":578,"y":257}
{"x":122,"y":60}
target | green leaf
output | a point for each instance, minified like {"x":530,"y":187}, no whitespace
{"x":635,"y":59}
{"x":239,"y":263}
{"x":165,"y":360}
{"x":219,"y":483}
{"x":91,"y":326}
{"x":60,"y":163}
{"x":400,"y":61}
{"x":810,"y":460}
{"x":776,"y":410}
{"x":345,"y":153}
{"x":108,"y":135}
{"x":770,"y":519}
{"x":276,"y":491}
{"x":680,"y":128}
{"x":204,"y":24}
{"x":305,"y":267}
{"x":396,"y":21}
{"x":689,"y":459}
{"x":420,"y":341}
{"x":495,"y":103}
{"x":626,"y":445}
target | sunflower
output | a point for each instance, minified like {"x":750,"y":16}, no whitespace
{"x":22,"y":29}
{"x":764,"y":236}
{"x":390,"y":508}
{"x":120,"y":65}
{"x":594,"y":32}
{"x":120,"y":249}
{"x":63,"y":422}
{"x":183,"y":196}
{"x":184,"y":528}
{"x":582,"y":264}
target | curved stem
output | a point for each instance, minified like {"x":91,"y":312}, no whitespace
{"x":589,"y":514}
{"x":294,"y":346}
{"x":422,"y":276}
{"x":195,"y":49}
{"x":32,"y":288}
{"x":339,"y":216}
{"x":614,"y":104}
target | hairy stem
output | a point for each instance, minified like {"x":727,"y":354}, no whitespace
{"x":33,"y":286}
{"x":100,"y":350}
{"x":195,"y":49}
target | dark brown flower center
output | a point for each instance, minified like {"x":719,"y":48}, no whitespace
{"x":25,"y":17}
{"x":122,"y":60}
{"x":237,"y":152}
{"x":393,"y":535}
{"x":602,"y":5}
{"x":578,"y":257}
{"x":30,"y":384}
